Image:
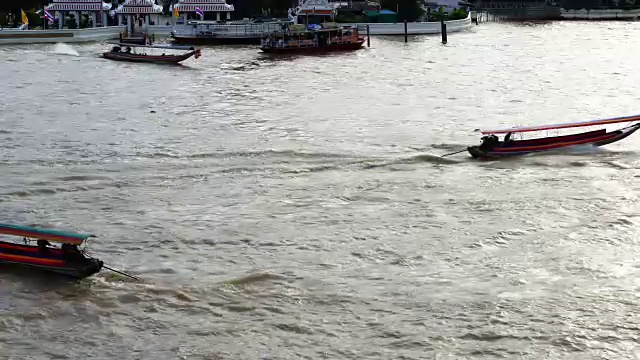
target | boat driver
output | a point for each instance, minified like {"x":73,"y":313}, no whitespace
{"x":42,"y":246}
{"x":489,"y":142}
{"x":71,"y":252}
{"x":508,"y":138}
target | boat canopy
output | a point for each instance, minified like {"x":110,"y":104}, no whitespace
{"x":63,"y":237}
{"x":563,"y":126}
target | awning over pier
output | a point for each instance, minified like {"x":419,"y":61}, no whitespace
{"x":78,"y":5}
{"x":204,"y":5}
{"x":139,"y":7}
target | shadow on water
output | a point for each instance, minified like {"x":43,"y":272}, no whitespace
{"x":567,"y":158}
{"x":271,"y":57}
{"x":575,"y":154}
{"x":36,"y":279}
{"x":529,"y":23}
{"x":180,"y":66}
{"x":400,"y":38}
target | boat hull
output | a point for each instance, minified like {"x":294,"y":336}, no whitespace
{"x":523,"y":147}
{"x":313,"y":49}
{"x":53,"y":261}
{"x":156,"y":59}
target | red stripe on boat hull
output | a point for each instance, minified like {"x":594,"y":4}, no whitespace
{"x":554,"y":146}
{"x":32,"y":260}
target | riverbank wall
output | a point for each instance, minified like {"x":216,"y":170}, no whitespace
{"x":13,"y":36}
{"x":414,"y":28}
{"x":605,"y":14}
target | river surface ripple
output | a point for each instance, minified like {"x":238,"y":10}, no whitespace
{"x":297,"y":207}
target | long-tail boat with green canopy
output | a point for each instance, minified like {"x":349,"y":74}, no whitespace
{"x":67,"y":259}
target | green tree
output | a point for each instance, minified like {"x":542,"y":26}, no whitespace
{"x":439,"y":15}
{"x":458,"y":14}
{"x":250,"y":8}
{"x":16,"y":5}
{"x":409,"y":10}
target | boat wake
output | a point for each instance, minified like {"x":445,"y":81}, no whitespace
{"x":65,"y":49}
{"x":240,"y":67}
{"x":427,"y":158}
{"x":578,"y":150}
{"x":254,"y":278}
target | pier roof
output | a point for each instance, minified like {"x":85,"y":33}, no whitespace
{"x":139,"y":7}
{"x":317,"y":7}
{"x":78,"y":5}
{"x":204,"y":5}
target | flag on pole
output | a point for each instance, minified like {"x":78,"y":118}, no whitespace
{"x":199,"y":12}
{"x":25,"y":20}
{"x":48,"y":16}
{"x":175,"y":11}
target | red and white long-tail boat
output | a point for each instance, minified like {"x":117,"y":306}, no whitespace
{"x":493,"y":147}
{"x":66,"y":260}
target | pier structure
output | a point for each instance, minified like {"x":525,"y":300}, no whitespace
{"x":136,"y":8}
{"x":95,"y":8}
{"x":189,"y":7}
{"x":313,"y":12}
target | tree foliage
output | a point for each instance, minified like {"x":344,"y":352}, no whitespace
{"x":409,"y":10}
{"x":254,"y":8}
{"x":14,"y":6}
{"x":458,"y":14}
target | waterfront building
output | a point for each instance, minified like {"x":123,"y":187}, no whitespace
{"x":95,"y":8}
{"x":187,"y":8}
{"x":313,"y":12}
{"x":133,"y":9}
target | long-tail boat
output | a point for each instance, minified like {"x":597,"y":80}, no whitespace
{"x":492,"y":147}
{"x":67,"y":259}
{"x":127,"y":52}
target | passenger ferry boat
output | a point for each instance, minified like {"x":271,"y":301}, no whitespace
{"x":315,"y":38}
{"x":232,"y":32}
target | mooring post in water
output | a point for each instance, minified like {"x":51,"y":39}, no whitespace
{"x":443,"y":30}
{"x":405,"y":31}
{"x":368,"y":37}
